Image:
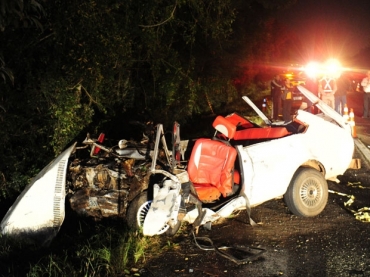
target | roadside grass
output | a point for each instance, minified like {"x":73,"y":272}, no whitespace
{"x":84,"y":248}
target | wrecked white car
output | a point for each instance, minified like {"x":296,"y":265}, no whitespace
{"x":242,"y":166}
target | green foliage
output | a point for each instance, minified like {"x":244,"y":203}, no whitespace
{"x":23,"y":150}
{"x":94,"y":250}
{"x":143,"y":55}
{"x":94,"y":260}
{"x":5,"y":73}
{"x":69,"y":108}
{"x":17,"y":181}
{"x":15,"y":13}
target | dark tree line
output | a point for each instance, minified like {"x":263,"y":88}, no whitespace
{"x":72,"y":65}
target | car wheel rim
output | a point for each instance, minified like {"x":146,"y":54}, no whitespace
{"x":311,"y":192}
{"x":141,"y":214}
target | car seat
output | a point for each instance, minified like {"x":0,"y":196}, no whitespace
{"x":211,"y":164}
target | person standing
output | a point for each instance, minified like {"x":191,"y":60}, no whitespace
{"x":286,"y":96}
{"x":365,"y":83}
{"x":327,"y":89}
{"x":312,"y":85}
{"x":340,"y":97}
{"x":276,"y":89}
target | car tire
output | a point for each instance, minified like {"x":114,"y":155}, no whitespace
{"x":137,"y":211}
{"x":307,"y":193}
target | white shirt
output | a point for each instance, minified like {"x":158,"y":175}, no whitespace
{"x":366,"y":84}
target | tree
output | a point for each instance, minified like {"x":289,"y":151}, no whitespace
{"x":93,"y":60}
{"x":19,"y":13}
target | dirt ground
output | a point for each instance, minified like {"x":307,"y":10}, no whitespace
{"x":331,"y":244}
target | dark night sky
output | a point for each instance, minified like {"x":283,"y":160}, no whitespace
{"x":329,"y":28}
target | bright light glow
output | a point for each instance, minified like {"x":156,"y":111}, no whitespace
{"x":289,"y":75}
{"x":312,"y":69}
{"x":333,"y":68}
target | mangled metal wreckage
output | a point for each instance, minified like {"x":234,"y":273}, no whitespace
{"x":242,"y":166}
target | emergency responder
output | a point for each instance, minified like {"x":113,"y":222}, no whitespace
{"x":286,"y":96}
{"x":312,"y":85}
{"x":327,"y":89}
{"x":343,"y":86}
{"x":276,"y":87}
{"x":365,"y":83}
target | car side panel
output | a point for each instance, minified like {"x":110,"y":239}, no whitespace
{"x":269,"y":166}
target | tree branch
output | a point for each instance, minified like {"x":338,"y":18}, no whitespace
{"x":163,"y":22}
{"x":90,"y":97}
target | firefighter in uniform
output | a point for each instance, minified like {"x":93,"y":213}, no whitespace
{"x":327,"y":89}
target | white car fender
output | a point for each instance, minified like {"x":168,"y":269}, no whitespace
{"x":39,"y":210}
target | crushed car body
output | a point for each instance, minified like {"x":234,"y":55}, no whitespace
{"x":155,"y":189}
